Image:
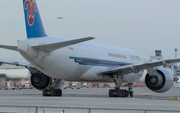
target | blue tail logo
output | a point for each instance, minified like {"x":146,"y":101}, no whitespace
{"x":34,"y":26}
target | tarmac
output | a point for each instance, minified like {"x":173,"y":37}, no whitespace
{"x":88,"y":98}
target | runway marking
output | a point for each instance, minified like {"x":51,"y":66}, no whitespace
{"x":171,"y":92}
{"x":147,"y":93}
{"x":155,"y":92}
{"x":97,"y":91}
{"x":133,"y":98}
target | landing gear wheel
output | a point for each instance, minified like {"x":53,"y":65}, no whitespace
{"x":131,"y":93}
{"x":119,"y":93}
{"x":123,"y":93}
{"x":59,"y":92}
{"x":127,"y":93}
{"x":53,"y":92}
{"x":114,"y":93}
{"x":44,"y":92}
{"x":110,"y":93}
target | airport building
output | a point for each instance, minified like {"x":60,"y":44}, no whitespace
{"x":13,"y":76}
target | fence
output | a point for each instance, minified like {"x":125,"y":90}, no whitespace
{"x":89,"y":110}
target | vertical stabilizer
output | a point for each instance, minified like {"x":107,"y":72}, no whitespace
{"x":34,"y":26}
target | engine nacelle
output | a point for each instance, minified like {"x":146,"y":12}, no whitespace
{"x":160,"y":81}
{"x":39,"y":80}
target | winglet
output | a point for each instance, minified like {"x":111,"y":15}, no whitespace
{"x":58,"y":45}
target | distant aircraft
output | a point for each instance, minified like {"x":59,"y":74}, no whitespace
{"x":60,"y":17}
{"x":52,"y":60}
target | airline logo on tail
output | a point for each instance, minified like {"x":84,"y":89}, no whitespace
{"x":32,"y":7}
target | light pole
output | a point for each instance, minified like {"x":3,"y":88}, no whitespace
{"x":175,"y":66}
{"x":175,"y":49}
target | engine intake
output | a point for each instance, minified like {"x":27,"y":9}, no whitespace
{"x":160,"y":81}
{"x":39,"y":80}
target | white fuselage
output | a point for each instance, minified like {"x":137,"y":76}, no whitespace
{"x":79,"y":62}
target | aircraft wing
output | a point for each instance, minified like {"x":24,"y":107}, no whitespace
{"x":17,"y":63}
{"x":137,"y":67}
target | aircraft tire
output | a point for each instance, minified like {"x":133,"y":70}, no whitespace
{"x":119,"y":93}
{"x":44,"y":92}
{"x":110,"y":93}
{"x":127,"y":93}
{"x":53,"y":92}
{"x":59,"y":92}
{"x":122,"y":93}
{"x":131,"y":93}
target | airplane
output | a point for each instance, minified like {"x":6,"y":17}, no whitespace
{"x":52,"y":60}
{"x":60,"y":17}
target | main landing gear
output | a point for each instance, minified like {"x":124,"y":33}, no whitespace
{"x":120,"y":93}
{"x":53,"y":89}
{"x":52,"y":92}
{"x":117,"y":92}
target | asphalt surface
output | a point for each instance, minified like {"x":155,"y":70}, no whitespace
{"x":89,"y":97}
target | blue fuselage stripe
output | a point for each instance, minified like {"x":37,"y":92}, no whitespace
{"x":98,"y":62}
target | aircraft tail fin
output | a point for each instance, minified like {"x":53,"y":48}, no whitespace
{"x":34,"y":26}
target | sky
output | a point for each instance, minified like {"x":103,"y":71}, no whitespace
{"x":141,"y":25}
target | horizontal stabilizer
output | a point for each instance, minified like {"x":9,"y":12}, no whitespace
{"x":14,"y":48}
{"x":54,"y":46}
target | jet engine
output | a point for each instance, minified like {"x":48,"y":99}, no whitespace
{"x":161,"y":80}
{"x":39,"y":80}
